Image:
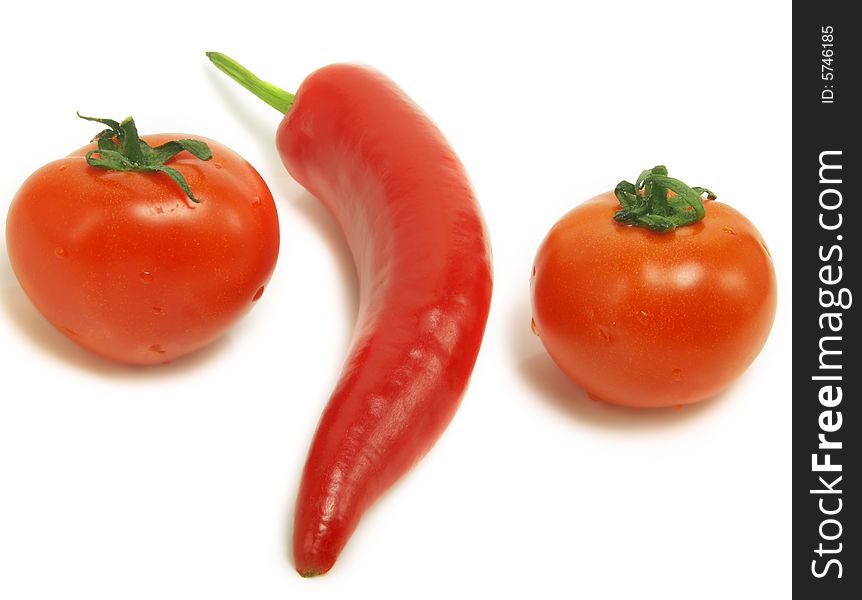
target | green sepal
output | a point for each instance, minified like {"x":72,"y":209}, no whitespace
{"x":109,"y":159}
{"x":627,"y":194}
{"x":121,"y":149}
{"x":170,"y":149}
{"x":112,"y":124}
{"x":179,"y":179}
{"x":106,"y":142}
{"x":647,"y":203}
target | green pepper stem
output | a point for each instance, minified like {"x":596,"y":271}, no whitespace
{"x":281,"y":100}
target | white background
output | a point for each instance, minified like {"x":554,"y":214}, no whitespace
{"x":179,"y":481}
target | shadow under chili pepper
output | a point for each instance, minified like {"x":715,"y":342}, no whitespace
{"x":297,"y":198}
{"x":264,"y":130}
{"x":327,"y":227}
{"x":550,"y":383}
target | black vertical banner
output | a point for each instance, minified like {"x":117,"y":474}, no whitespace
{"x":827,"y":224}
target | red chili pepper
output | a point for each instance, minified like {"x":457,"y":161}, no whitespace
{"x":360,"y":145}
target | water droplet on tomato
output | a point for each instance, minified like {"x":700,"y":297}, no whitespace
{"x":257,"y":294}
{"x":676,"y":374}
{"x":71,"y":332}
{"x":728,"y":230}
{"x":145,"y":277}
{"x":255,"y":201}
{"x":605,"y":332}
{"x":768,"y":253}
{"x":217,"y":165}
{"x":157,"y":348}
{"x":60,"y":252}
{"x":157,"y":310}
{"x":533,"y":273}
{"x":534,"y":327}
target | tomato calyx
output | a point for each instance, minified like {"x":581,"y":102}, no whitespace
{"x":121,"y":149}
{"x":649,"y":203}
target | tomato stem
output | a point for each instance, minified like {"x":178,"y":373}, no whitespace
{"x":281,"y":100}
{"x":121,"y":149}
{"x":648,"y":203}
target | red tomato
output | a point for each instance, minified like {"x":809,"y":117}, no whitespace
{"x":124,"y":264}
{"x":646,"y":319}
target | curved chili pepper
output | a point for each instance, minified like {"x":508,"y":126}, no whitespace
{"x":402,"y":198}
